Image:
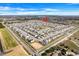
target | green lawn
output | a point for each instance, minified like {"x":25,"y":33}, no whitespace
{"x":9,"y":41}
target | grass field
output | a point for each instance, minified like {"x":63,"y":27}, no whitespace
{"x":72,"y":45}
{"x":9,"y":44}
{"x":8,"y":40}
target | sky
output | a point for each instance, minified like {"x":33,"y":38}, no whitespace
{"x":39,"y":9}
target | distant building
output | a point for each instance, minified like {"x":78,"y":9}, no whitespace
{"x":45,"y":19}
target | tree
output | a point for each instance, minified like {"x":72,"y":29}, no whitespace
{"x":47,"y":51}
{"x":61,"y":44}
{"x":43,"y":54}
{"x":72,"y":50}
{"x":1,"y":26}
{"x":63,"y":51}
{"x":66,"y":47}
{"x":52,"y":49}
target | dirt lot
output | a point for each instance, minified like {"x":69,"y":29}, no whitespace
{"x":37,"y":45}
{"x":17,"y":51}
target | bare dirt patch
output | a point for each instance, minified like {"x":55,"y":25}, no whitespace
{"x":37,"y":45}
{"x":17,"y":51}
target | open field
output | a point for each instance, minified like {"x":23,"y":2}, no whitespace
{"x":73,"y":38}
{"x":16,"y":51}
{"x":8,"y":41}
{"x":10,"y":45}
{"x":71,"y":45}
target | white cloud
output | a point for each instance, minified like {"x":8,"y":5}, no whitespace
{"x":50,"y":9}
{"x":11,"y":8}
{"x":4,"y":8}
{"x":63,"y":13}
{"x":25,"y":9}
{"x":19,"y":9}
{"x":41,"y":13}
{"x":72,"y":3}
{"x":26,"y":13}
{"x":47,"y":13}
{"x":30,"y":11}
